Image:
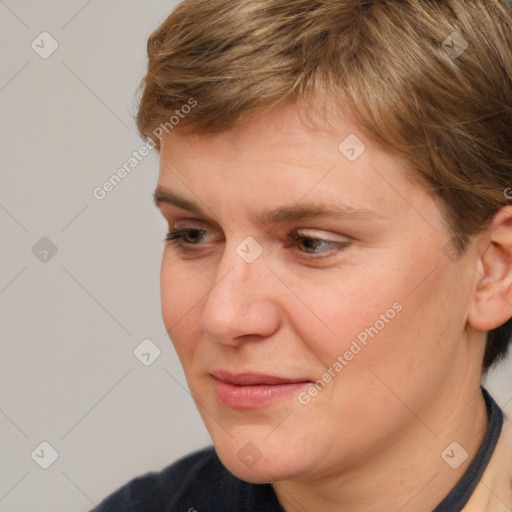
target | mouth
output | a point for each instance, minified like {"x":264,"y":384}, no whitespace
{"x":253,"y":390}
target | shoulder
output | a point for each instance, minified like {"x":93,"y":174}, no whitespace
{"x":198,"y":481}
{"x":156,"y":490}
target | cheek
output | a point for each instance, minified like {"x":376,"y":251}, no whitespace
{"x":378,"y":316}
{"x":181,"y":287}
{"x":341,"y":310}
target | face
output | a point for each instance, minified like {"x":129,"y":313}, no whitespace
{"x":307,"y":294}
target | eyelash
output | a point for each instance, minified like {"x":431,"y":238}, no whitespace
{"x":175,"y":237}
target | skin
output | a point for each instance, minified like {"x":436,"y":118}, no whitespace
{"x":372,"y":439}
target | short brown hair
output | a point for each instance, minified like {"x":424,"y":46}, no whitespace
{"x":401,"y":66}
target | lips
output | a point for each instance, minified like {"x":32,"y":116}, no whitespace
{"x":254,"y":390}
{"x":253,"y":379}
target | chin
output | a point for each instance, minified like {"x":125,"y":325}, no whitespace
{"x":257,"y":460}
{"x":263,"y":471}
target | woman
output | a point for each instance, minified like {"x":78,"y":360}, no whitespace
{"x":337,"y":275}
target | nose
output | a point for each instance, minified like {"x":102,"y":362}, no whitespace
{"x":241,"y":305}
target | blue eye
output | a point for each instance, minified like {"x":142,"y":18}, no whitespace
{"x":315,"y":245}
{"x":312,"y":245}
{"x":191,"y":239}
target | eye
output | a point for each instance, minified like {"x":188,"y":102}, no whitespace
{"x":190,"y":236}
{"x":194,"y":239}
{"x":191,"y":240}
{"x":313,"y":245}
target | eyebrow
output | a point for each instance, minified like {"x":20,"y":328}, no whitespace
{"x":281,"y":214}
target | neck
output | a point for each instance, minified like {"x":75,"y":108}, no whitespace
{"x":410,"y":475}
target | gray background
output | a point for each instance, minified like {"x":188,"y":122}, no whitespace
{"x":70,"y":321}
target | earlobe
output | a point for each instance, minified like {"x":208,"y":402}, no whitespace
{"x":492,"y":300}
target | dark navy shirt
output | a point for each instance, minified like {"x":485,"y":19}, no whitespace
{"x":200,"y":483}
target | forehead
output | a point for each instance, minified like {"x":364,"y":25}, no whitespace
{"x":277,"y":158}
{"x":290,"y":129}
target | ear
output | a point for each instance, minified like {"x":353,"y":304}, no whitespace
{"x":492,"y":300}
